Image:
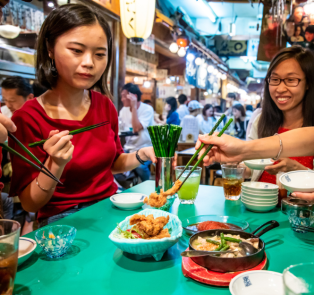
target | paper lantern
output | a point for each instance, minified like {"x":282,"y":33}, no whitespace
{"x":137,"y":18}
{"x":9,"y":31}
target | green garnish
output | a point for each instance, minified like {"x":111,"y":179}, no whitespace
{"x":128,"y":234}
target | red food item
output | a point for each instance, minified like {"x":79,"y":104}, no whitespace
{"x":206,"y":225}
{"x":134,"y":233}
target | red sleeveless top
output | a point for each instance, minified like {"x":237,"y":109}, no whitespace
{"x":305,"y":161}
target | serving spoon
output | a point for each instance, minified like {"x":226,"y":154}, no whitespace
{"x":198,"y":253}
{"x":247,"y":248}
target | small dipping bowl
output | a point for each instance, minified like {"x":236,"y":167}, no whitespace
{"x":55,"y":247}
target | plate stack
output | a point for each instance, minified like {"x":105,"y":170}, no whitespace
{"x":259,"y":196}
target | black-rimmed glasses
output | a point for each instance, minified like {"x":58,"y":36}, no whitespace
{"x":290,"y":82}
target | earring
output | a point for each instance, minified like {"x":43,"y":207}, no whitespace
{"x":53,"y":69}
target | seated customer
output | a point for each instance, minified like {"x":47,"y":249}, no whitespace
{"x":139,"y":116}
{"x":189,"y":123}
{"x":182,"y":109}
{"x":171,"y":107}
{"x":287,"y":104}
{"x":207,"y":120}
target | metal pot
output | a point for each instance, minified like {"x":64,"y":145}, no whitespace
{"x":224,"y":264}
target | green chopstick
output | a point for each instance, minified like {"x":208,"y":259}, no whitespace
{"x":207,"y":150}
{"x":73,"y":132}
{"x":202,"y":145}
{"x":12,"y":151}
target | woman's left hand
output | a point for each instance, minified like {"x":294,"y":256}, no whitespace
{"x":304,"y":196}
{"x":148,"y":154}
{"x":284,"y":165}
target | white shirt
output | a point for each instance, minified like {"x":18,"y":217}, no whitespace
{"x":206,"y":126}
{"x":183,"y":111}
{"x":189,"y":125}
{"x":6,"y":111}
{"x":145,"y":115}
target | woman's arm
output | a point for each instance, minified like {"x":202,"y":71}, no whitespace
{"x":128,"y":162}
{"x":40,"y":190}
{"x":296,"y":143}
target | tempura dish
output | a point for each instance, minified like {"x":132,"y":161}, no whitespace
{"x":158,"y":201}
{"x":153,"y":232}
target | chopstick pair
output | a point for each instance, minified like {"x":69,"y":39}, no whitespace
{"x":73,"y":132}
{"x":202,"y":145}
{"x":42,"y":167}
{"x":303,"y":228}
{"x":206,"y":151}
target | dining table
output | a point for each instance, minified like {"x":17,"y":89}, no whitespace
{"x":94,"y":265}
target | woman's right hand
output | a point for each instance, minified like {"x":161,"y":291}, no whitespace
{"x":226,"y":149}
{"x":59,"y":147}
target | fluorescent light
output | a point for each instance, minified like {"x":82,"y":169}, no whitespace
{"x":232,"y":29}
{"x":50,"y":4}
{"x":210,"y":12}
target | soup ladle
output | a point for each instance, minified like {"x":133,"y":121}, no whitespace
{"x":198,"y":253}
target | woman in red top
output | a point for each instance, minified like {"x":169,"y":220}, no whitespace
{"x":287,"y":104}
{"x":73,"y":55}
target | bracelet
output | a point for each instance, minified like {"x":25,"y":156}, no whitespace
{"x":281,"y":147}
{"x":138,"y":158}
{"x":43,"y":189}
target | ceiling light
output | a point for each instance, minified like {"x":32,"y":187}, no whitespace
{"x":210,"y":69}
{"x":168,"y":81}
{"x":205,"y":93}
{"x":182,"y":52}
{"x":223,"y":77}
{"x":219,"y":75}
{"x":232,"y":29}
{"x":9,"y":31}
{"x":199,"y":61}
{"x":215,"y":71}
{"x":210,"y":12}
{"x":190,"y":57}
{"x":146,"y":84}
{"x":50,"y":4}
{"x":135,"y":79}
{"x":183,"y":40}
{"x":258,"y":81}
{"x":174,"y":47}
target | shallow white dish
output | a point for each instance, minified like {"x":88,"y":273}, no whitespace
{"x":257,"y":282}
{"x":259,"y":208}
{"x":128,"y":201}
{"x":298,"y":181}
{"x":260,"y":186}
{"x":26,"y":248}
{"x":260,"y":193}
{"x":259,"y":201}
{"x":258,"y":164}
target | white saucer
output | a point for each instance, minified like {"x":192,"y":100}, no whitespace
{"x":128,"y":201}
{"x":26,"y":248}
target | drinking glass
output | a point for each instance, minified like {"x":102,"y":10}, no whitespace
{"x":9,"y":244}
{"x":233,"y":176}
{"x":188,"y":192}
{"x":299,"y":279}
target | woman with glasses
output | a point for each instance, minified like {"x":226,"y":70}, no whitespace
{"x":287,"y":104}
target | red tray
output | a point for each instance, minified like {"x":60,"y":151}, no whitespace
{"x":201,"y":274}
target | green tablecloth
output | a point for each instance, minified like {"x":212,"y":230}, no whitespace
{"x":95,"y":266}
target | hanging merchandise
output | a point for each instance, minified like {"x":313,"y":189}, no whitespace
{"x":137,"y":18}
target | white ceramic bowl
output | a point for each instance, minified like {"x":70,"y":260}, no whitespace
{"x":259,"y":201}
{"x":26,"y":248}
{"x":257,"y":282}
{"x":255,"y":186}
{"x":258,"y":207}
{"x":258,"y":164}
{"x":298,"y":181}
{"x":128,"y":201}
{"x":256,"y":194}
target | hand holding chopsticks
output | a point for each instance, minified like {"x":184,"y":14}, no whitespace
{"x":206,"y":151}
{"x":42,"y":167}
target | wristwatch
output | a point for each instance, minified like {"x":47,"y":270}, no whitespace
{"x":139,"y":158}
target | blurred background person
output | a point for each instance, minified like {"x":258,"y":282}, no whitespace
{"x":15,"y":92}
{"x":171,"y":107}
{"x":189,"y":123}
{"x":207,"y":120}
{"x":249,"y":110}
{"x":182,"y":109}
{"x":240,"y":121}
{"x":138,"y":116}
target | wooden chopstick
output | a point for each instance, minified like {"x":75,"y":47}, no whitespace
{"x":73,"y":132}
{"x":12,"y":151}
{"x":24,"y":148}
{"x":202,"y":145}
{"x":207,"y":151}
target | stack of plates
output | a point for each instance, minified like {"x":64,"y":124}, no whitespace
{"x":259,"y":196}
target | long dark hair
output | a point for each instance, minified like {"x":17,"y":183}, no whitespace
{"x":207,"y":107}
{"x":58,"y":22}
{"x":272,"y":117}
{"x":173,"y":103}
{"x":240,"y":108}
